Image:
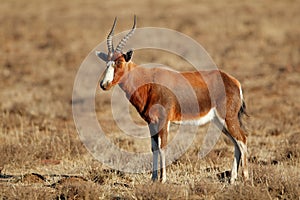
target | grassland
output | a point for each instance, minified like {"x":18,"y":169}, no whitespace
{"x":42,"y":46}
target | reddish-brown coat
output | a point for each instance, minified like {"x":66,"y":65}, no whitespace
{"x":162,"y":96}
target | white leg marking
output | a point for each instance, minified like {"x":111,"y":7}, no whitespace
{"x":168,"y":126}
{"x":243,"y":149}
{"x":159,"y":143}
{"x":163,"y":173}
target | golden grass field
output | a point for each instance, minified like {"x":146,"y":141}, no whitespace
{"x":42,"y":46}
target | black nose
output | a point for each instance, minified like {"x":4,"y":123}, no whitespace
{"x":102,"y":86}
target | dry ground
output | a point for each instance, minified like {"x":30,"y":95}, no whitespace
{"x":42,"y":46}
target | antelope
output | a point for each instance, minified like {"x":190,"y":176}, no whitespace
{"x":159,"y":106}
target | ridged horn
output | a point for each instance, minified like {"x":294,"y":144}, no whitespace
{"x":110,"y":45}
{"x":122,"y":43}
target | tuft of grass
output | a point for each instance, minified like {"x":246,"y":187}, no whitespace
{"x":282,"y":183}
{"x":161,"y":191}
{"x":76,"y":188}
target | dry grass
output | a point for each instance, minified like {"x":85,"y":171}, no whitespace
{"x":42,"y":47}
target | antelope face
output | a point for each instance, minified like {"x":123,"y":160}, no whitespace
{"x":115,"y":69}
{"x":116,"y":62}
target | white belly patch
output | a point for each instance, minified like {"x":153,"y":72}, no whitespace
{"x":199,"y":121}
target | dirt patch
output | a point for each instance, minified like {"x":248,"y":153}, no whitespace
{"x":33,"y":178}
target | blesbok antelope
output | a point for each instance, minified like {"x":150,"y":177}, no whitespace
{"x":218,"y":97}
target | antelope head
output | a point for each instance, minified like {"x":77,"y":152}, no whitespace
{"x":116,"y":61}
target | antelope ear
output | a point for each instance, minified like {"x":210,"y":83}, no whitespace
{"x":102,"y":56}
{"x":128,"y":55}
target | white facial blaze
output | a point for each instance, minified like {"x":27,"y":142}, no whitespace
{"x":109,"y":74}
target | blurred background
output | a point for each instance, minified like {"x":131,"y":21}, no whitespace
{"x":42,"y":46}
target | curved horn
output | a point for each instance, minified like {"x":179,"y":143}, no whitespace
{"x":110,"y":45}
{"x":127,"y":36}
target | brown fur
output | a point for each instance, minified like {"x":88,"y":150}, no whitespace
{"x":161,"y":95}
